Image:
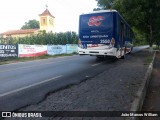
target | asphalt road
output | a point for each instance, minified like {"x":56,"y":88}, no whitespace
{"x":26,"y":83}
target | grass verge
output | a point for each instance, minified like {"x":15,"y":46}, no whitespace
{"x":148,"y":60}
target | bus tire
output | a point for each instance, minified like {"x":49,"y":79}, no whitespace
{"x":131,"y":50}
{"x":124,"y":55}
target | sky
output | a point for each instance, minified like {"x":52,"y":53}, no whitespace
{"x":14,"y":13}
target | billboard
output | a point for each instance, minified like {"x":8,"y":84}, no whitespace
{"x":56,"y":49}
{"x":32,"y":50}
{"x":8,"y":50}
{"x":72,"y":48}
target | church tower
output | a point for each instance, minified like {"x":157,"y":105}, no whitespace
{"x":47,"y":21}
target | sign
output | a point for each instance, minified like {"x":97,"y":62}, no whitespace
{"x":8,"y":50}
{"x":72,"y":48}
{"x":56,"y":49}
{"x":95,"y":20}
{"x":32,"y":50}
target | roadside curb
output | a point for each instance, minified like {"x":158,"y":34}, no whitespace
{"x":140,"y":95}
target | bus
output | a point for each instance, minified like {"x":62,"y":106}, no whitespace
{"x":104,"y":33}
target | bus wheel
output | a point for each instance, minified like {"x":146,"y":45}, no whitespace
{"x":131,"y":50}
{"x":123,"y":57}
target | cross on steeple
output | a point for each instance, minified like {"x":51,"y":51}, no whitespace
{"x":46,"y":6}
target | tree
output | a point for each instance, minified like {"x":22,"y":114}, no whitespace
{"x":31,"y":24}
{"x":1,"y":39}
{"x":142,"y":14}
{"x":105,"y":4}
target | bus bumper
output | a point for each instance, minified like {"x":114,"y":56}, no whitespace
{"x":106,"y":52}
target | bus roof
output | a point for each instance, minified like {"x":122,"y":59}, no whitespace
{"x":105,"y":11}
{"x":101,"y":11}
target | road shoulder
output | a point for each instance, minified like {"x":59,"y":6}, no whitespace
{"x":113,"y":90}
{"x":152,"y":99}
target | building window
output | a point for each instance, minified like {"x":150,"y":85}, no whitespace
{"x":43,"y":21}
{"x":50,"y":21}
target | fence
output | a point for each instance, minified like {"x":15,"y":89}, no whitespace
{"x":24,"y":50}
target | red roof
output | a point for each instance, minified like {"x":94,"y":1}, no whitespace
{"x":46,"y":12}
{"x":14,"y":32}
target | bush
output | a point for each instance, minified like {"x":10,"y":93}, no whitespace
{"x":43,"y":38}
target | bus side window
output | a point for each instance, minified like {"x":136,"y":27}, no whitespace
{"x":129,"y":34}
{"x":125,"y":32}
{"x":121,"y":33}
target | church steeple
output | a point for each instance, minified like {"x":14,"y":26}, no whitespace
{"x":47,"y":21}
{"x":46,"y":6}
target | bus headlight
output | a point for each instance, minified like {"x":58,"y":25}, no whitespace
{"x":80,"y":44}
{"x":112,"y":42}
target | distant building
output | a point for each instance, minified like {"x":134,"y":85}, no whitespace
{"x":46,"y":21}
{"x":46,"y":24}
{"x":19,"y":33}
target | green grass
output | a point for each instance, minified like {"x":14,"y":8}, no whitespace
{"x":14,"y":60}
{"x":148,"y":60}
